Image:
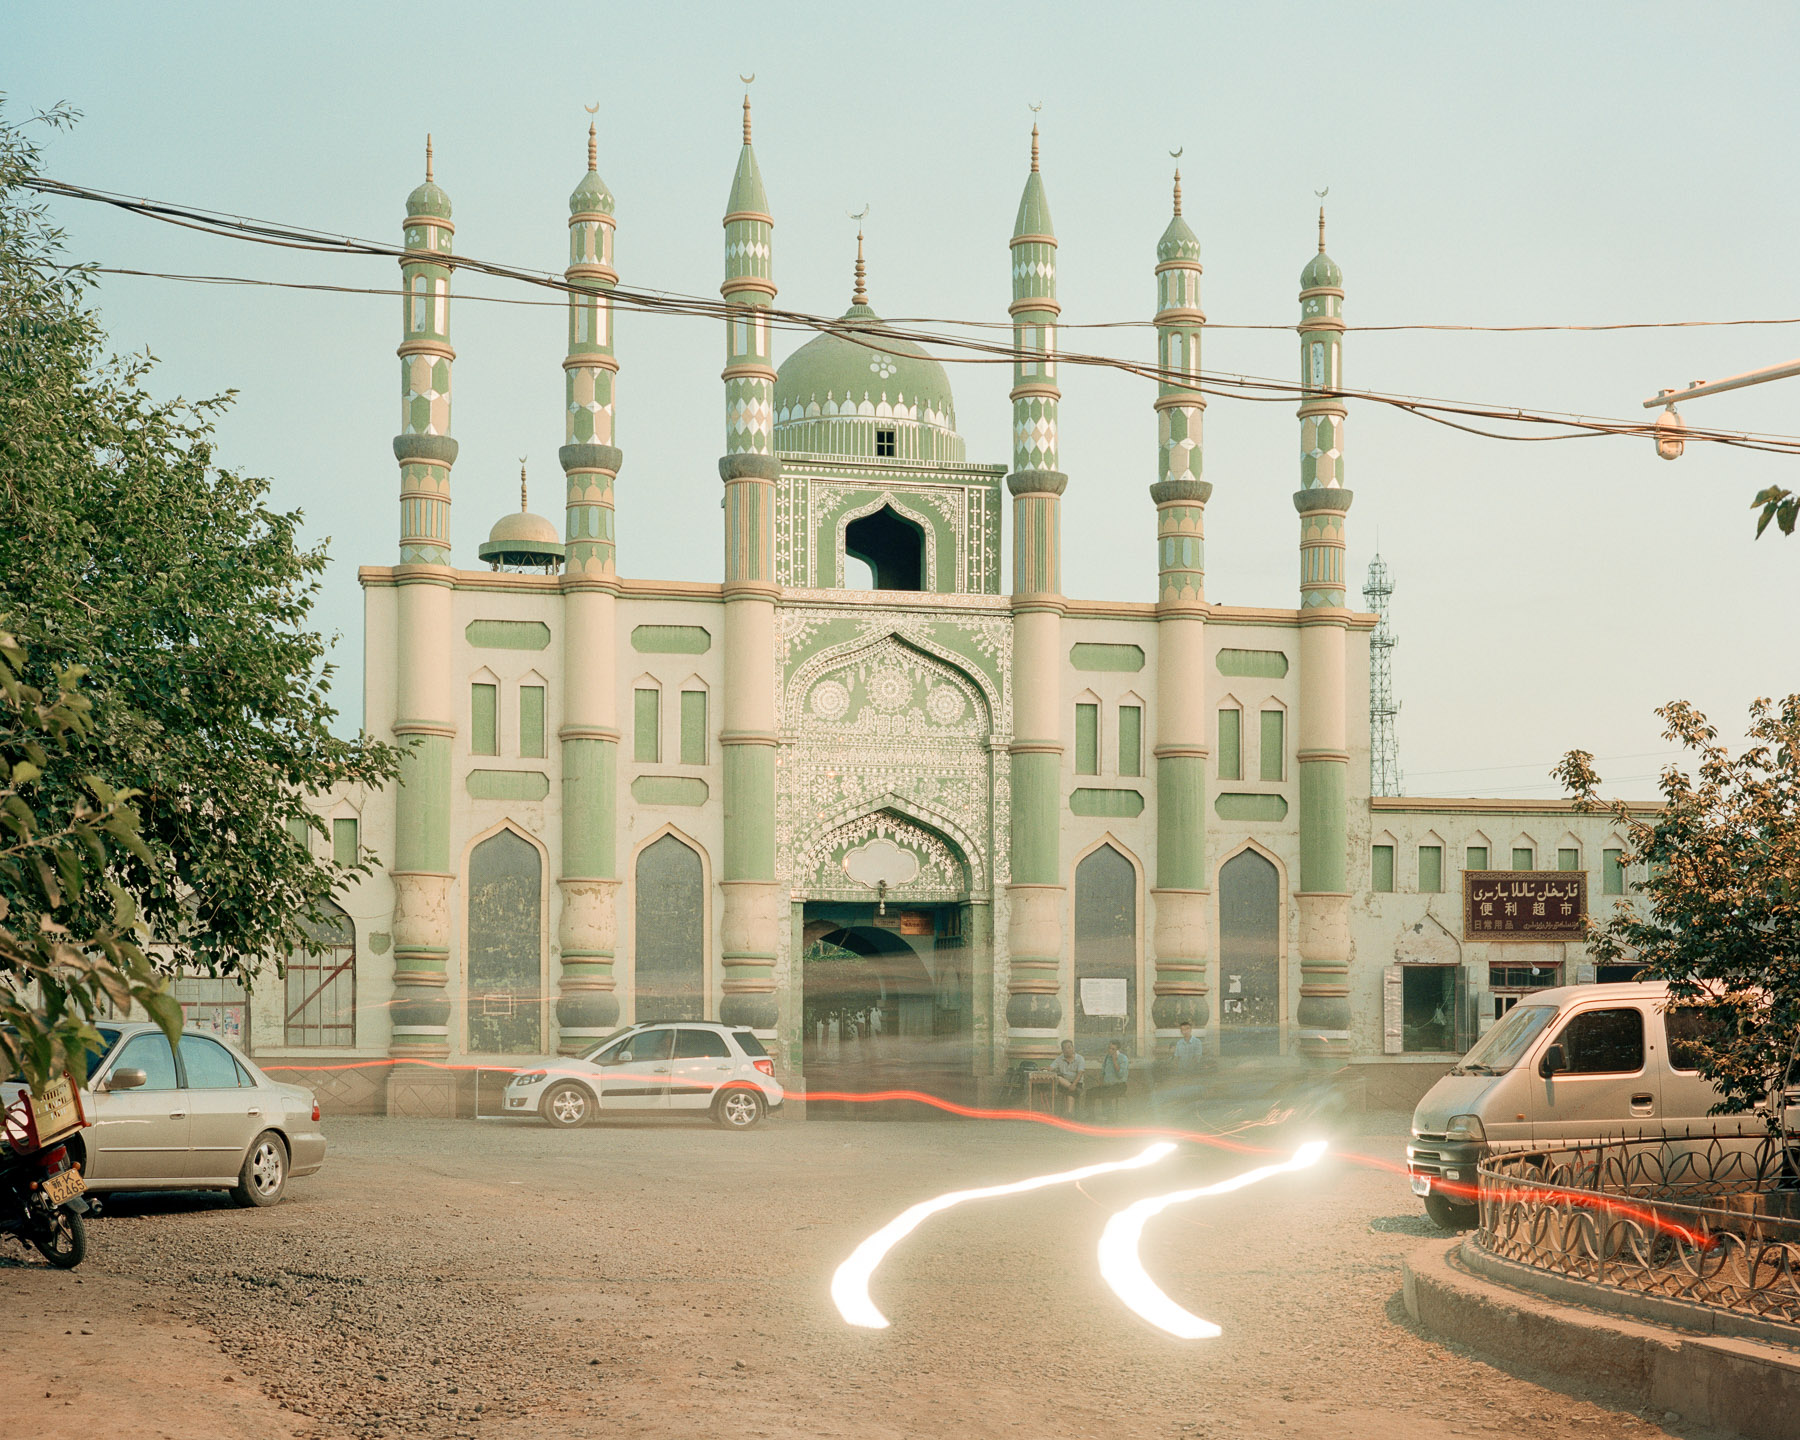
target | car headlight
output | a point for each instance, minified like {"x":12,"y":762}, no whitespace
{"x":1466,"y":1127}
{"x":531,"y":1077}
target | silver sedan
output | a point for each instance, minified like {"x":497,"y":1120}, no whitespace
{"x":198,"y":1116}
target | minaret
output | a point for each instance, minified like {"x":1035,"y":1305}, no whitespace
{"x":749,"y":469}
{"x":425,"y":712}
{"x":1034,"y":1009}
{"x":1324,"y":759}
{"x":1182,"y":934}
{"x":586,"y":1007}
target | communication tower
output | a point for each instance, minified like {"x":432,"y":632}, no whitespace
{"x":1384,"y":743}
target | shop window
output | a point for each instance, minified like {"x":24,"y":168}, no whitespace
{"x":693,"y":727}
{"x":1381,"y":868}
{"x":505,"y":942}
{"x":1510,"y":983}
{"x":1273,"y":756}
{"x":669,"y":953}
{"x":1131,"y":740}
{"x":1431,"y":869}
{"x":1524,"y":858}
{"x":320,"y":1006}
{"x":1568,"y":859}
{"x":646,"y":726}
{"x":218,"y":1003}
{"x":343,"y":841}
{"x":484,"y":719}
{"x":1105,"y":952}
{"x":1087,"y":739}
{"x":531,"y":721}
{"x":1604,"y":1042}
{"x":1612,"y":872}
{"x":1430,"y":1000}
{"x":1231,"y":752}
{"x":1475,"y":858}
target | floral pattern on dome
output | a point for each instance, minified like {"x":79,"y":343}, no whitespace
{"x":882,"y":365}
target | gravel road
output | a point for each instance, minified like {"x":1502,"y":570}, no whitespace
{"x":666,"y":1279}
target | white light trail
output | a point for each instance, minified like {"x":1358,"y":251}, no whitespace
{"x":1122,"y":1269}
{"x":850,"y":1285}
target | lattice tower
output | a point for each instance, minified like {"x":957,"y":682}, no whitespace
{"x":1384,"y":742}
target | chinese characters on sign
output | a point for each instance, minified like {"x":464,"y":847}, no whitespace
{"x":1542,"y":905}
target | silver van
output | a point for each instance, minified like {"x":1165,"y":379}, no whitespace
{"x":1583,"y":1062}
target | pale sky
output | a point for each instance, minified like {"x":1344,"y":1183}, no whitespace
{"x":1507,"y":165}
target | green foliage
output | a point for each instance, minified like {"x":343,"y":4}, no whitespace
{"x":1781,"y":506}
{"x":124,"y":548}
{"x":1721,"y":922}
{"x":62,"y":834}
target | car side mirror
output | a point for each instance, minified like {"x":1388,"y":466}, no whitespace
{"x":1555,"y":1059}
{"x":127,"y":1077}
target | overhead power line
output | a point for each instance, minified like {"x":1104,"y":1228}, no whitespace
{"x":977,"y":351}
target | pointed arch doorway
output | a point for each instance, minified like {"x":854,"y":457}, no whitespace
{"x":1249,"y":956}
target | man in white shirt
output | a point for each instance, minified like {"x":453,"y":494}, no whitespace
{"x":1069,"y":1068}
{"x":1181,"y":1096}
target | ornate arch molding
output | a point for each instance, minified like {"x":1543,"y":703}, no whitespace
{"x":990,"y":702}
{"x":1281,"y":869}
{"x":892,"y":501}
{"x":952,"y":864}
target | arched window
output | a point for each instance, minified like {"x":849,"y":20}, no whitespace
{"x":505,"y":946}
{"x":893,"y":548}
{"x":1105,"y":951}
{"x":1249,"y":936}
{"x":670,"y":937}
{"x":321,"y":987}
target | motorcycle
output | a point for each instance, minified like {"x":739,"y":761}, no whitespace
{"x":41,"y":1184}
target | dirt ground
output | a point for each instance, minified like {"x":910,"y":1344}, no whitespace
{"x":666,"y":1279}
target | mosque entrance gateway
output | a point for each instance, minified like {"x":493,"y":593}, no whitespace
{"x":887,"y":1003}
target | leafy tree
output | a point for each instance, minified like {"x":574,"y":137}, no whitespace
{"x":1721,"y":922}
{"x":124,"y":548}
{"x":61,"y":835}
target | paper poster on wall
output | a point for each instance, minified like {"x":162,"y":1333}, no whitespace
{"x":1102,"y":996}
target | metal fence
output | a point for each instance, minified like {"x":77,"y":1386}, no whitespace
{"x":1699,"y":1219}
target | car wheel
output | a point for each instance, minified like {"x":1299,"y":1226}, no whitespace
{"x":568,"y":1106}
{"x":1448,"y":1216}
{"x":63,"y":1241}
{"x":263,"y":1180}
{"x":738,"y":1109}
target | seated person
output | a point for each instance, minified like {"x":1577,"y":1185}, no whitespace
{"x":1069,"y":1072}
{"x":1115,"y":1070}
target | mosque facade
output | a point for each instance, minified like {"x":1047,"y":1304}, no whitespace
{"x":868,"y":795}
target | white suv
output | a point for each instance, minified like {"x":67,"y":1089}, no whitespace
{"x":685,"y":1065}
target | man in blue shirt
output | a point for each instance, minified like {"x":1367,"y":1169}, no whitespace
{"x":1115,"y":1070}
{"x":1181,"y":1096}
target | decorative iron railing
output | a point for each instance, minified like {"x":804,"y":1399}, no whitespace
{"x":1700,"y":1219}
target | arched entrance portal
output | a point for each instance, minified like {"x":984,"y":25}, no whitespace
{"x":887,"y":1005}
{"x":1249,"y":943}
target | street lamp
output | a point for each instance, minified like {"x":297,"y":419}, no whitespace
{"x":1670,"y":426}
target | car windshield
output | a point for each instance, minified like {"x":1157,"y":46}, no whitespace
{"x":1499,"y":1050}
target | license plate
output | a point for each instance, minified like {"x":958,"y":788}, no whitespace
{"x":59,"y":1189}
{"x":1421,"y":1184}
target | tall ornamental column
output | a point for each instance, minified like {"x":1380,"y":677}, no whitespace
{"x":425,"y":712}
{"x":1324,"y":1012}
{"x":586,"y":1006}
{"x":1034,"y":1009}
{"x":752,"y":909}
{"x":1182,"y":934}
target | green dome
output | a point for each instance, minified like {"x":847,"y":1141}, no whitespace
{"x":428,"y":199}
{"x":838,"y":377}
{"x":1321,"y":272}
{"x":878,"y":370}
{"x":591,"y":196}
{"x":1178,"y":242}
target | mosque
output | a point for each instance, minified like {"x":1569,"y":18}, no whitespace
{"x":894,"y":810}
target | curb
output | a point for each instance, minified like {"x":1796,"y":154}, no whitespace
{"x":1744,"y":1385}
